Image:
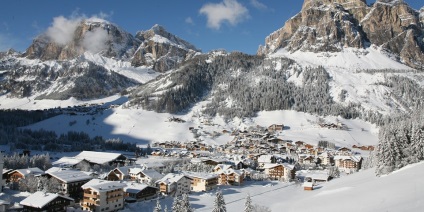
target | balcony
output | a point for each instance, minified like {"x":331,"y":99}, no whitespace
{"x":91,"y":202}
{"x":111,"y":199}
{"x":91,"y":195}
{"x":114,"y":193}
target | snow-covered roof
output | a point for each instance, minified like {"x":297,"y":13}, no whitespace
{"x":98,"y":157}
{"x":133,"y":187}
{"x":318,"y":176}
{"x":265,"y":158}
{"x":171,"y":178}
{"x":136,"y":170}
{"x":152,"y":174}
{"x":67,"y":161}
{"x":308,"y":184}
{"x":39,"y":199}
{"x":127,"y":169}
{"x":69,"y":176}
{"x":205,"y":176}
{"x":28,"y":171}
{"x":355,"y":158}
{"x":103,"y":185}
{"x":222,"y":167}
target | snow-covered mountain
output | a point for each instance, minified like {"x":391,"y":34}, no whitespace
{"x":331,"y":26}
{"x":89,"y":59}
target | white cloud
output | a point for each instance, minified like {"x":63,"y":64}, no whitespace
{"x":229,"y":11}
{"x":95,"y":40}
{"x":258,"y":5}
{"x":189,"y":20}
{"x":62,"y":29}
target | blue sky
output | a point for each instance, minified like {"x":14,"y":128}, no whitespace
{"x":240,"y":25}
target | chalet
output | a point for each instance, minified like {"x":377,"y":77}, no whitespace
{"x":145,"y":175}
{"x":70,"y":182}
{"x":40,"y":201}
{"x":154,"y":165}
{"x":275,"y":127}
{"x":103,"y":195}
{"x":202,"y":182}
{"x":280,"y":171}
{"x":348,"y":163}
{"x":221,"y":167}
{"x":344,"y":151}
{"x":318,"y":176}
{"x":18,"y":174}
{"x":137,"y":191}
{"x":230,"y":177}
{"x":174,"y":184}
{"x":70,"y":162}
{"x":121,"y":173}
{"x":101,"y":158}
{"x":299,"y":143}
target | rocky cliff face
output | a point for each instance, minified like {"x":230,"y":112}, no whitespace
{"x":331,"y":25}
{"x":94,"y":36}
{"x":161,"y":49}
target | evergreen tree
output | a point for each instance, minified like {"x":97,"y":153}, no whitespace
{"x":219,"y":203}
{"x":157,"y":208}
{"x":165,"y":209}
{"x":176,"y":205}
{"x":185,"y":204}
{"x":248,"y":207}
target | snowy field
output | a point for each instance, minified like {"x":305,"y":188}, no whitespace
{"x":141,"y":126}
{"x":362,"y":191}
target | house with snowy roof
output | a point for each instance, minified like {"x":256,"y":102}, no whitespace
{"x":100,"y":158}
{"x":277,"y":171}
{"x":348,"y":162}
{"x":103,"y":195}
{"x":121,"y":173}
{"x":70,"y":182}
{"x":230,"y":177}
{"x":69,"y":162}
{"x":202,"y":181}
{"x":221,"y":167}
{"x":18,"y":174}
{"x":174,"y":184}
{"x":144,"y":175}
{"x":40,"y":201}
{"x":134,"y":191}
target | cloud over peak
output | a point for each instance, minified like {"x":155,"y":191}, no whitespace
{"x":229,"y":11}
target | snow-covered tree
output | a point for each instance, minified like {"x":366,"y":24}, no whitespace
{"x":219,"y":203}
{"x":176,"y":205}
{"x":185,"y":204}
{"x":157,"y":208}
{"x":248,"y":207}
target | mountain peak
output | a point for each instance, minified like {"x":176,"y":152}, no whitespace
{"x":332,"y":25}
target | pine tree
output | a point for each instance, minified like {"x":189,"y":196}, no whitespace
{"x":185,"y":204}
{"x":157,"y":208}
{"x":248,"y":207}
{"x":219,"y":203}
{"x":165,"y":209}
{"x":176,"y":205}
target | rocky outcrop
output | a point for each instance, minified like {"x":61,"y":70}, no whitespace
{"x":396,"y":27}
{"x":92,"y":36}
{"x":331,"y":25}
{"x":161,"y":49}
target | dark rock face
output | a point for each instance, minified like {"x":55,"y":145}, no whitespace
{"x":161,"y":49}
{"x":331,"y":25}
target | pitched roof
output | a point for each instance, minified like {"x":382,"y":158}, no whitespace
{"x":28,"y":171}
{"x":67,"y":161}
{"x":133,"y":187}
{"x":98,"y":157}
{"x":152,"y":174}
{"x":205,"y":176}
{"x":39,"y":199}
{"x":171,"y":178}
{"x":69,"y":176}
{"x":103,"y":185}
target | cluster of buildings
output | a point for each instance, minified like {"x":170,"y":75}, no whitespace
{"x":256,"y":154}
